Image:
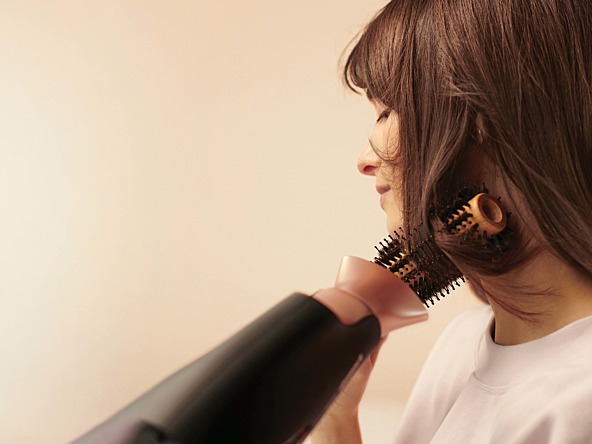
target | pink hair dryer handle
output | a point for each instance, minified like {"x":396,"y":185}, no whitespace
{"x":364,"y":288}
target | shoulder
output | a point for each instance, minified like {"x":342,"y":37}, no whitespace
{"x":453,"y":356}
{"x":458,"y":343}
{"x":444,"y":374}
{"x":465,"y":331}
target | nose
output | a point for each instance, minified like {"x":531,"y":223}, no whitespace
{"x":368,"y":161}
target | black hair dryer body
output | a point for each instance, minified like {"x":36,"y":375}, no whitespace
{"x":271,"y":382}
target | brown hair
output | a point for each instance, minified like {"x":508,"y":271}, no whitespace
{"x":514,"y":75}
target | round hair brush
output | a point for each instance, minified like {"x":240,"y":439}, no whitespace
{"x":272,"y":381}
{"x":423,"y":265}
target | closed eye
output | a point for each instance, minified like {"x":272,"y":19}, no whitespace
{"x":383,"y":115}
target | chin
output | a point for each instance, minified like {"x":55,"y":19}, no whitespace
{"x":393,"y":223}
{"x":393,"y":226}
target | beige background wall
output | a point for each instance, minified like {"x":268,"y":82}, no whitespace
{"x":168,"y":171}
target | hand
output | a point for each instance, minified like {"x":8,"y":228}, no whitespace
{"x":346,"y":403}
{"x":340,"y":423}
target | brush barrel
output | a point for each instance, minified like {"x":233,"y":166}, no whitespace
{"x":269,"y":383}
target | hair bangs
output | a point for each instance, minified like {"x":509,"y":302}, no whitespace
{"x":374,"y":65}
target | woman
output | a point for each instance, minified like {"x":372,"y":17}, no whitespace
{"x":494,"y":92}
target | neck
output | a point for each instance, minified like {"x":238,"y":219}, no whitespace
{"x":556,"y":292}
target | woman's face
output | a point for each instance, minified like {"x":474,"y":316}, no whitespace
{"x":384,"y":140}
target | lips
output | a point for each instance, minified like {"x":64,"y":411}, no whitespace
{"x":381,"y":189}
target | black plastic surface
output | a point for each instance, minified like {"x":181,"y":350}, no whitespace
{"x":268,"y":384}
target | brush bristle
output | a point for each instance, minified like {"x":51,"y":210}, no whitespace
{"x":419,"y":261}
{"x":422,"y":265}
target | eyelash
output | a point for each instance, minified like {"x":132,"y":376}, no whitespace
{"x":383,"y":115}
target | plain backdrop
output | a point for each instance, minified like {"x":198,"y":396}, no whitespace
{"x":168,"y":171}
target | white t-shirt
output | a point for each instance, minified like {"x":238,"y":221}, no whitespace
{"x":472,"y":390}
